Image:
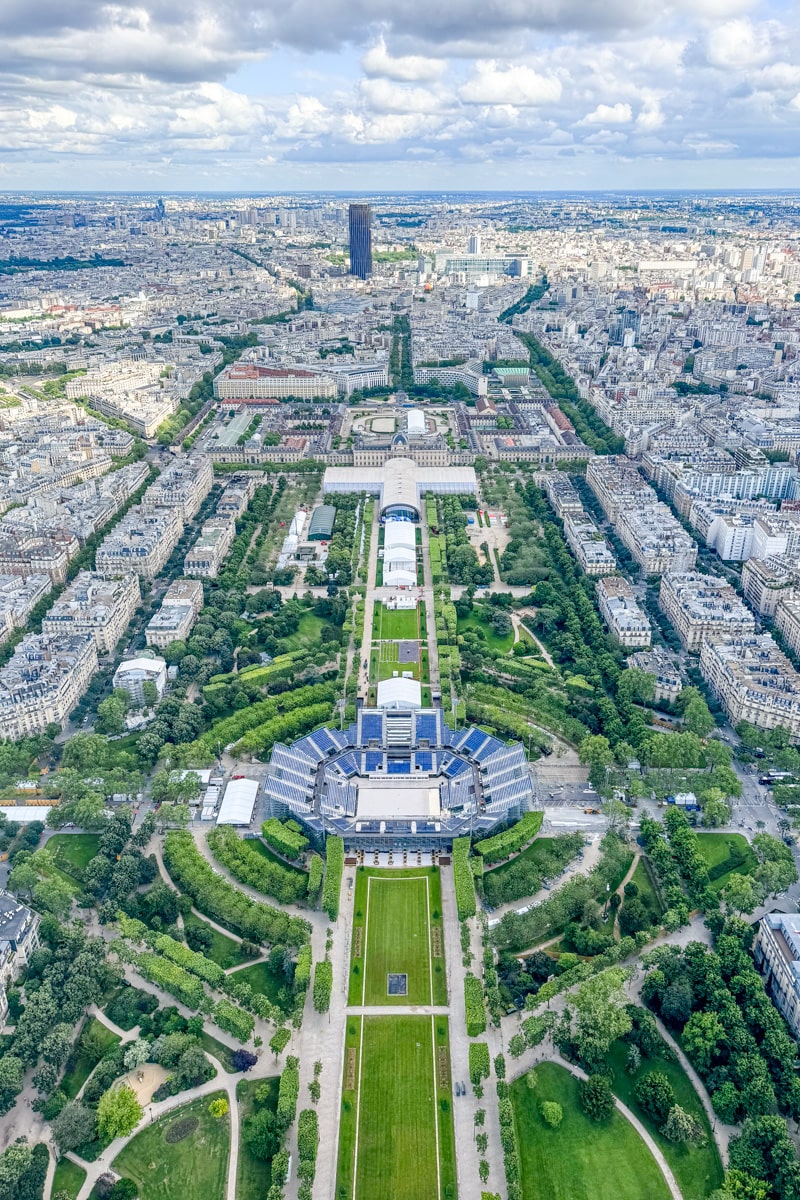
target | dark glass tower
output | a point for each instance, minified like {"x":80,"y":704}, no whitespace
{"x":361,"y":240}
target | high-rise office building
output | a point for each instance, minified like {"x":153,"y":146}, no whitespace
{"x":360,"y":240}
{"x":474,"y":244}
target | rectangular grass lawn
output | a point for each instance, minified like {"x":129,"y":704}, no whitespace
{"x":398,"y":624}
{"x":397,"y":929}
{"x":582,"y":1159}
{"x":396,"y":1150}
{"x":73,"y":851}
{"x":716,"y":848}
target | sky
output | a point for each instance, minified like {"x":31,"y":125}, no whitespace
{"x":272,"y":95}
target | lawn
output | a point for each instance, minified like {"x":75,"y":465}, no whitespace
{"x":582,"y":1159}
{"x":647,"y":892}
{"x":400,"y":624}
{"x":396,"y":1142}
{"x":253,"y":1174}
{"x":393,"y":913}
{"x":269,"y":983}
{"x":308,"y":634}
{"x":224,"y":951}
{"x":726,"y":854}
{"x":196,"y":1165}
{"x":219,"y":1050}
{"x":80,"y":1064}
{"x":74,"y":851}
{"x":68,"y":1178}
{"x":263,"y":849}
{"x":698,"y":1171}
{"x":473,"y":621}
{"x":540,"y":853}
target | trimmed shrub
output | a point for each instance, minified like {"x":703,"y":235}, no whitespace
{"x":475,"y":1011}
{"x":478,"y":1062}
{"x":496,"y":848}
{"x":334,"y":854}
{"x":463,"y":879}
{"x":282,"y":839}
{"x":248,"y":866}
{"x":288,"y":1091}
{"x":323,"y":985}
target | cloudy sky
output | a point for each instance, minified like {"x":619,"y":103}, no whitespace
{"x":399,"y":94}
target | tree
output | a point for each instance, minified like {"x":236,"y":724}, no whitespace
{"x":697,"y":716}
{"x":702,"y":1035}
{"x":149,"y":693}
{"x":243,"y":1060}
{"x":738,"y":1185}
{"x":596,"y":1097}
{"x":635,"y":686}
{"x":74,"y":1126}
{"x":595,"y":751}
{"x":262,"y":1134}
{"x":551,"y":1113}
{"x":175,"y":787}
{"x":11,"y":1079}
{"x":23,"y":878}
{"x":602,"y":1014}
{"x":53,"y":895}
{"x":680,"y":1126}
{"x":118,"y":1112}
{"x":111,"y":714}
{"x":654,"y":1093}
{"x":715,"y":811}
{"x":136,"y":1053}
{"x":740,"y":894}
{"x":280,"y":1040}
{"x":219,"y":1107}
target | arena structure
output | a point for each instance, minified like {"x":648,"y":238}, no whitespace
{"x":399,"y":779}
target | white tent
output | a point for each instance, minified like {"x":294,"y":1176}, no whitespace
{"x":399,"y":693}
{"x":238,"y":802}
{"x":399,"y":554}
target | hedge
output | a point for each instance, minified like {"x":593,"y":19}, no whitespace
{"x":172,"y":978}
{"x":229,"y":729}
{"x":223,"y":902}
{"x":286,"y":728}
{"x":323,"y":985}
{"x":234,"y":1020}
{"x":288,"y":1091}
{"x":191,"y":960}
{"x":316,"y":869}
{"x":478,"y":1062}
{"x":308,"y":1137}
{"x":302,"y":970}
{"x":248,"y":866}
{"x":473,"y":999}
{"x":463,"y":878}
{"x":496,"y":848}
{"x":334,"y":853}
{"x":282,"y":839}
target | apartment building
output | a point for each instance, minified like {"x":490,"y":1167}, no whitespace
{"x":132,"y":674}
{"x":617,"y":485}
{"x":19,"y":937}
{"x":621,"y":613}
{"x":665,"y":671}
{"x":27,"y":553}
{"x":562,"y":495}
{"x":44,"y":680}
{"x":142,"y":542}
{"x":97,"y":604}
{"x":208,"y":553}
{"x":179,"y":609}
{"x":787,"y":621}
{"x":655,"y":539}
{"x":766,"y":582}
{"x":19,"y":595}
{"x":237,"y":494}
{"x":777,"y":956}
{"x":776,"y":533}
{"x":592,"y":551}
{"x":703,"y":608}
{"x":183,"y":485}
{"x":754,"y":682}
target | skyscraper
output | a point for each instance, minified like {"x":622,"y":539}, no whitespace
{"x":360,"y":240}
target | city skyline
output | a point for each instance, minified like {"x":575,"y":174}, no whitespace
{"x":270,"y":97}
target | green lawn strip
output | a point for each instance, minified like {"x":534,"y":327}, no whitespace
{"x":194,"y":1166}
{"x":345,"y":1167}
{"x":253,"y":1175}
{"x":306,"y":635}
{"x":641,"y":877}
{"x":68,"y":1178}
{"x":537,"y":853}
{"x":397,"y":1110}
{"x":394,"y":936}
{"x":268,"y":983}
{"x":697,"y":1170}
{"x":224,"y":951}
{"x":401,"y":624}
{"x":80,"y":1064}
{"x":716,"y":851}
{"x":473,"y":621}
{"x":222,"y":1053}
{"x":444,"y":1109}
{"x":437,"y":922}
{"x":74,"y":851}
{"x":263,"y":849}
{"x":582,"y":1159}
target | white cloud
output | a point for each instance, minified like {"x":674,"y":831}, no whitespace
{"x":383,"y":96}
{"x":650,"y":116}
{"x":407,"y":68}
{"x":738,"y":44}
{"x":609,"y":114}
{"x":520,"y":86}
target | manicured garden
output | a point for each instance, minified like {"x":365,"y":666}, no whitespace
{"x":397,"y":929}
{"x":181,"y":1155}
{"x":73,"y":851}
{"x":95,"y":1039}
{"x":478,"y":620}
{"x":726,"y":854}
{"x":396,"y":624}
{"x":68,"y":1178}
{"x":697,"y":1168}
{"x":253,"y":1175}
{"x":581,"y":1159}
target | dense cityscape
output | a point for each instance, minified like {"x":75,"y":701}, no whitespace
{"x":400,"y":695}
